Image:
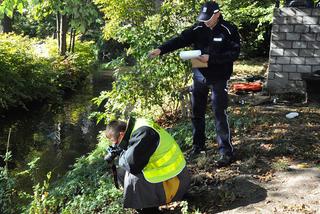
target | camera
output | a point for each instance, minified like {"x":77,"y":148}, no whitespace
{"x":112,"y":153}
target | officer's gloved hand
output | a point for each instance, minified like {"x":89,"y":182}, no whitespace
{"x":112,"y":152}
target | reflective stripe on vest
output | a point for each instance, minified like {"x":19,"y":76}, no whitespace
{"x":167,"y":161}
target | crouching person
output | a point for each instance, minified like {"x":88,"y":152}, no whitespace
{"x":152,"y":168}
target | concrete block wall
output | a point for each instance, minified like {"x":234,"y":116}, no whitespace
{"x":294,"y":49}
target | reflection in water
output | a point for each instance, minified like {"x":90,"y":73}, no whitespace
{"x":50,"y":139}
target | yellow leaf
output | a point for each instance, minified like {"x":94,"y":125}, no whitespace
{"x":302,"y":165}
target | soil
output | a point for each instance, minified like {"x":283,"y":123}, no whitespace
{"x":277,"y":161}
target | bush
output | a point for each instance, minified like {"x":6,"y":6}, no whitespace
{"x":150,"y":87}
{"x":87,"y":187}
{"x":7,"y":183}
{"x":31,"y":70}
{"x":6,"y":192}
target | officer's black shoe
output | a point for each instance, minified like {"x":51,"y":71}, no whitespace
{"x":224,"y":160}
{"x":196,"y":151}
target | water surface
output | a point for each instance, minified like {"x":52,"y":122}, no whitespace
{"x":48,"y":138}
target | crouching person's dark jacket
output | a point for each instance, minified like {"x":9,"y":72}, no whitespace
{"x":153,"y":167}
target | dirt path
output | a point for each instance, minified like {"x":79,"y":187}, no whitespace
{"x":295,"y":191}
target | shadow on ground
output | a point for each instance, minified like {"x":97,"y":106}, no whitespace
{"x":235,"y":192}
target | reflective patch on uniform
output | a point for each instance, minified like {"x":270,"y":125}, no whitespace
{"x":197,"y":27}
{"x":217,"y":39}
{"x":226,"y":28}
{"x":204,"y":10}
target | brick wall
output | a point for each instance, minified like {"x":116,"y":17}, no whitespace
{"x":295,"y":48}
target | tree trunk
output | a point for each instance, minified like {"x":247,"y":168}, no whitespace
{"x":73,"y":40}
{"x":58,"y":29}
{"x":63,"y":34}
{"x":7,"y":24}
{"x":70,"y":41}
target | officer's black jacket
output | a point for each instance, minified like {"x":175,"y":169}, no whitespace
{"x":140,"y":146}
{"x":222,"y":43}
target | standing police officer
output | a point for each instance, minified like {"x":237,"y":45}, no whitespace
{"x":219,"y":43}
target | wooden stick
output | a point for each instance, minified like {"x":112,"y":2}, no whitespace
{"x":8,"y":142}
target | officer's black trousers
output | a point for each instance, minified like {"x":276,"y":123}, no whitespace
{"x":219,"y":101}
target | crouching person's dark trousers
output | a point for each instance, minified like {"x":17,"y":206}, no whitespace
{"x":219,"y":99}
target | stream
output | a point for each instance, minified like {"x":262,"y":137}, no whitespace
{"x":48,"y":138}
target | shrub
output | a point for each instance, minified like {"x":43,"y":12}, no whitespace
{"x":7,"y":183}
{"x":31,"y":70}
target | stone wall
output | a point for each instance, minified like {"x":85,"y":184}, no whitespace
{"x":294,"y":49}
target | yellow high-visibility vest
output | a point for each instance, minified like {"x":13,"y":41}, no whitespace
{"x":167,"y":161}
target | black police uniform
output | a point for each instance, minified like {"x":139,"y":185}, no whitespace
{"x":222,"y":43}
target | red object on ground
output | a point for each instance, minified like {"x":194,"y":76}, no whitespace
{"x":247,"y":86}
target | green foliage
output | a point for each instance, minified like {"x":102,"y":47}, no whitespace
{"x":26,"y":24}
{"x":87,"y":188}
{"x":8,"y":7}
{"x":32,"y":169}
{"x":253,"y":18}
{"x":71,"y":71}
{"x":82,"y":14}
{"x":23,"y":77}
{"x":151,"y":86}
{"x":131,"y":12}
{"x":7,"y":184}
{"x":182,"y":133}
{"x":39,"y":204}
{"x":30,"y":70}
{"x":42,"y":18}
